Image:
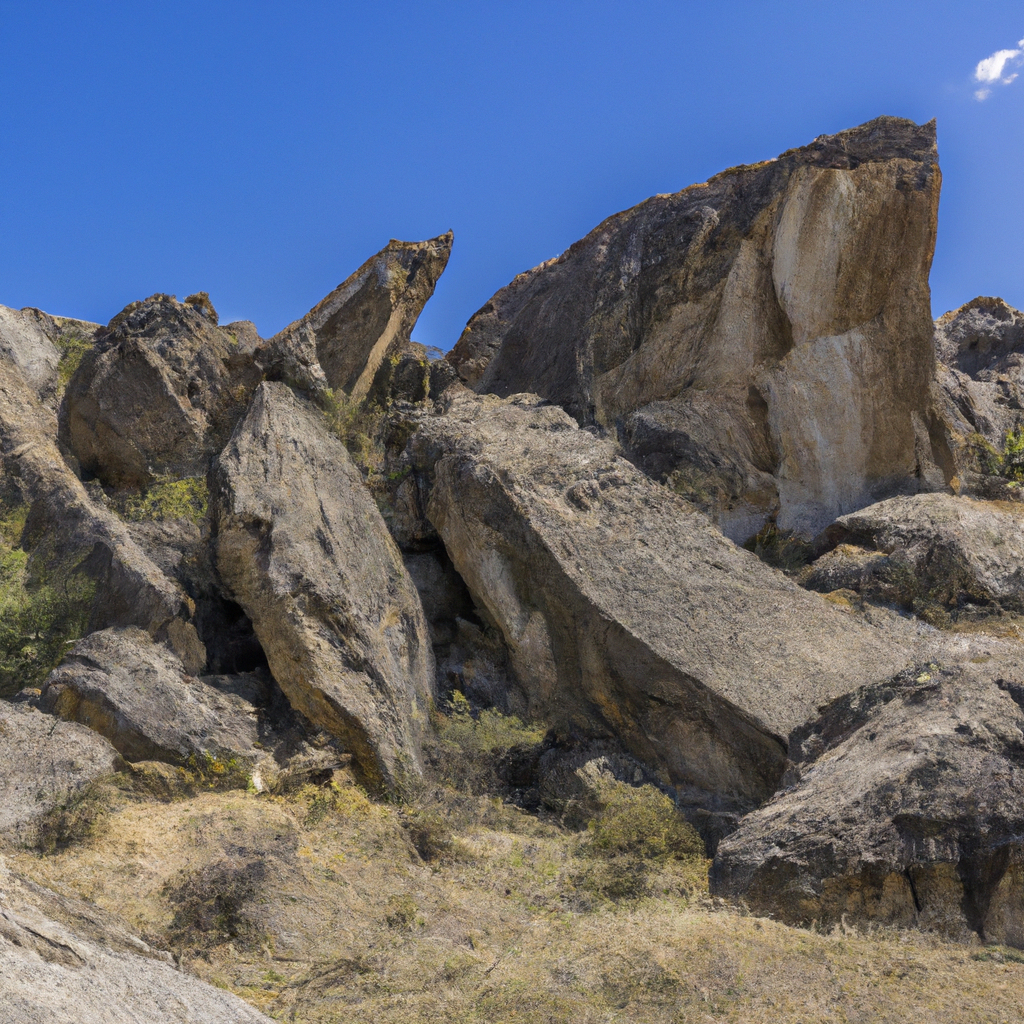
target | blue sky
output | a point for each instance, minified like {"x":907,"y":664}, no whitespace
{"x":261,"y":151}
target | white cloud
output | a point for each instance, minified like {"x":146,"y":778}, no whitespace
{"x":995,"y":69}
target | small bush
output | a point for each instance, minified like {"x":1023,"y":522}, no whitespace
{"x":641,"y":821}
{"x":779,"y":548}
{"x":430,"y":835}
{"x":73,"y":348}
{"x":169,"y":498}
{"x":78,"y":820}
{"x":39,"y":616}
{"x":213,"y":903}
{"x":1012,"y":460}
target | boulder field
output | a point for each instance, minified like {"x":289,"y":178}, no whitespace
{"x":708,"y":496}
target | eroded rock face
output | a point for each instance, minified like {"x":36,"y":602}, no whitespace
{"x":625,"y":612}
{"x":301,"y":546}
{"x":62,"y":959}
{"x":767,"y":333}
{"x":138,"y":695}
{"x":935,"y":553}
{"x":978,"y":393}
{"x":44,"y":763}
{"x":158,"y":394}
{"x":342,"y":341}
{"x":70,"y":534}
{"x":905,"y":808}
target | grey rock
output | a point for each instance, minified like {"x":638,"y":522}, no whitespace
{"x":625,"y":613}
{"x":903,"y":807}
{"x":24,"y":342}
{"x":138,"y":695}
{"x":772,"y":324}
{"x":69,"y":533}
{"x":63,"y":960}
{"x":302,"y":547}
{"x":44,"y":762}
{"x":342,"y":341}
{"x":158,"y":394}
{"x":939,"y":550}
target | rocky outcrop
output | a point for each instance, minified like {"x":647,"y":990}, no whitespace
{"x":767,"y":333}
{"x":62,"y":960}
{"x":904,"y":808}
{"x":625,"y":612}
{"x":302,"y":548}
{"x":138,"y":695}
{"x":343,"y":341}
{"x":44,"y":763}
{"x":978,"y":393}
{"x":936,"y":554}
{"x":158,"y":394}
{"x":70,"y":535}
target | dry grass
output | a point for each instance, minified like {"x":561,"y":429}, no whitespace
{"x":316,"y":907}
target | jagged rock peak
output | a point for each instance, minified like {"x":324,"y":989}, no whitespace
{"x":979,"y":334}
{"x":765,"y":335}
{"x":342,"y":341}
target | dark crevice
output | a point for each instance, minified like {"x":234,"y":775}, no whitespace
{"x":913,"y":889}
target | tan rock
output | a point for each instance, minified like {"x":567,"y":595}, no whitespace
{"x":343,"y":340}
{"x":772,"y":325}
{"x":904,"y":809}
{"x":301,"y":546}
{"x":625,"y":612}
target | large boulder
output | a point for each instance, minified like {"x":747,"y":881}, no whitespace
{"x":978,"y":392}
{"x":158,"y":394}
{"x":71,"y":536}
{"x":767,"y":333}
{"x":138,"y":695}
{"x":345,"y":338}
{"x":25,"y":342}
{"x":302,"y":547}
{"x":62,"y":959}
{"x":625,"y":612}
{"x":905,"y":807}
{"x":44,"y":763}
{"x":936,"y":554}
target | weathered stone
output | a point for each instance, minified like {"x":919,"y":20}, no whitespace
{"x":44,"y":763}
{"x":931,"y":553}
{"x":65,"y":960}
{"x":777,"y":316}
{"x":158,"y":394}
{"x":625,"y":613}
{"x":24,"y":342}
{"x":301,"y":546}
{"x":342,"y":341}
{"x":70,"y":534}
{"x":138,"y":695}
{"x":905,"y":808}
{"x":978,"y":393}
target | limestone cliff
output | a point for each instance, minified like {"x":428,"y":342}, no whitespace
{"x":764,"y":337}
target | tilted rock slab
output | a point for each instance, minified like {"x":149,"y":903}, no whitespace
{"x":138,"y":695}
{"x":950,"y":551}
{"x":343,"y":340}
{"x":64,"y":960}
{"x":626,"y":613}
{"x":44,"y":762}
{"x":907,"y":808}
{"x":767,"y":333}
{"x":302,"y":547}
{"x":71,"y":532}
{"x":159,"y":393}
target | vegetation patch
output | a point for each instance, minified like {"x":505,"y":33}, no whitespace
{"x":73,"y":348}
{"x":41,"y":611}
{"x":169,"y":498}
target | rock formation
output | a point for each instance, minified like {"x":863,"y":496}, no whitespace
{"x":44,"y":764}
{"x":158,"y":394}
{"x":62,"y":959}
{"x":344,"y":339}
{"x":904,"y":808}
{"x":764,"y":335}
{"x":304,"y":550}
{"x":625,"y":612}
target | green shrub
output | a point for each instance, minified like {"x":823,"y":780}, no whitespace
{"x":73,"y":348}
{"x":39,"y":616}
{"x":641,"y":821}
{"x":1012,"y":462}
{"x":169,"y":498}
